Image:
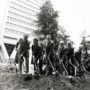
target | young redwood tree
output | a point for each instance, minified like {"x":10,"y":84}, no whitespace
{"x":47,"y":20}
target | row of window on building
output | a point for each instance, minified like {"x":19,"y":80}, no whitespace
{"x":29,"y":5}
{"x":12,"y":19}
{"x":22,"y":11}
{"x":15,"y":14}
{"x":24,"y":7}
{"x":16,"y":33}
{"x":20,"y":27}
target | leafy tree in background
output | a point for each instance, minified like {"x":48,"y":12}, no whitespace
{"x":62,"y":36}
{"x":47,"y":20}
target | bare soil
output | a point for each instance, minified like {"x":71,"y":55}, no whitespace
{"x":11,"y":81}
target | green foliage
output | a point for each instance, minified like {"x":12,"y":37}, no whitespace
{"x":62,"y":36}
{"x":47,"y":20}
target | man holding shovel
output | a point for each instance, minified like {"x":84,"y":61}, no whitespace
{"x":22,"y":48}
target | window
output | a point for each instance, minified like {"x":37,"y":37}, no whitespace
{"x":24,"y":7}
{"x":27,"y":4}
{"x":20,"y":15}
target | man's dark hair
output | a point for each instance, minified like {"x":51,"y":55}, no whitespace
{"x":35,"y":40}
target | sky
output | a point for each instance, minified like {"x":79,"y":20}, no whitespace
{"x":74,"y":16}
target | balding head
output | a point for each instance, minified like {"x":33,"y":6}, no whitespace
{"x":25,"y":36}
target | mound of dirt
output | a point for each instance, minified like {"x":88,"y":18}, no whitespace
{"x":28,"y":82}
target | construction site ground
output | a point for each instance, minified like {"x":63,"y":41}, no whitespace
{"x":12,"y":81}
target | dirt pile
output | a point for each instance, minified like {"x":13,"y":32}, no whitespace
{"x":27,"y":82}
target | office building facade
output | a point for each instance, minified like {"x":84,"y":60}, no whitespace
{"x":19,"y":19}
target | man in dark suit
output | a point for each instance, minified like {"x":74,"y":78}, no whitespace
{"x":70,"y":56}
{"x":49,"y":55}
{"x":22,"y":48}
{"x":36,"y":56}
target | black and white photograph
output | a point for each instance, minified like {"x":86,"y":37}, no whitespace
{"x":44,"y":45}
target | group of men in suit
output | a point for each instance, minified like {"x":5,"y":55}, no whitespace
{"x":54,"y":55}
